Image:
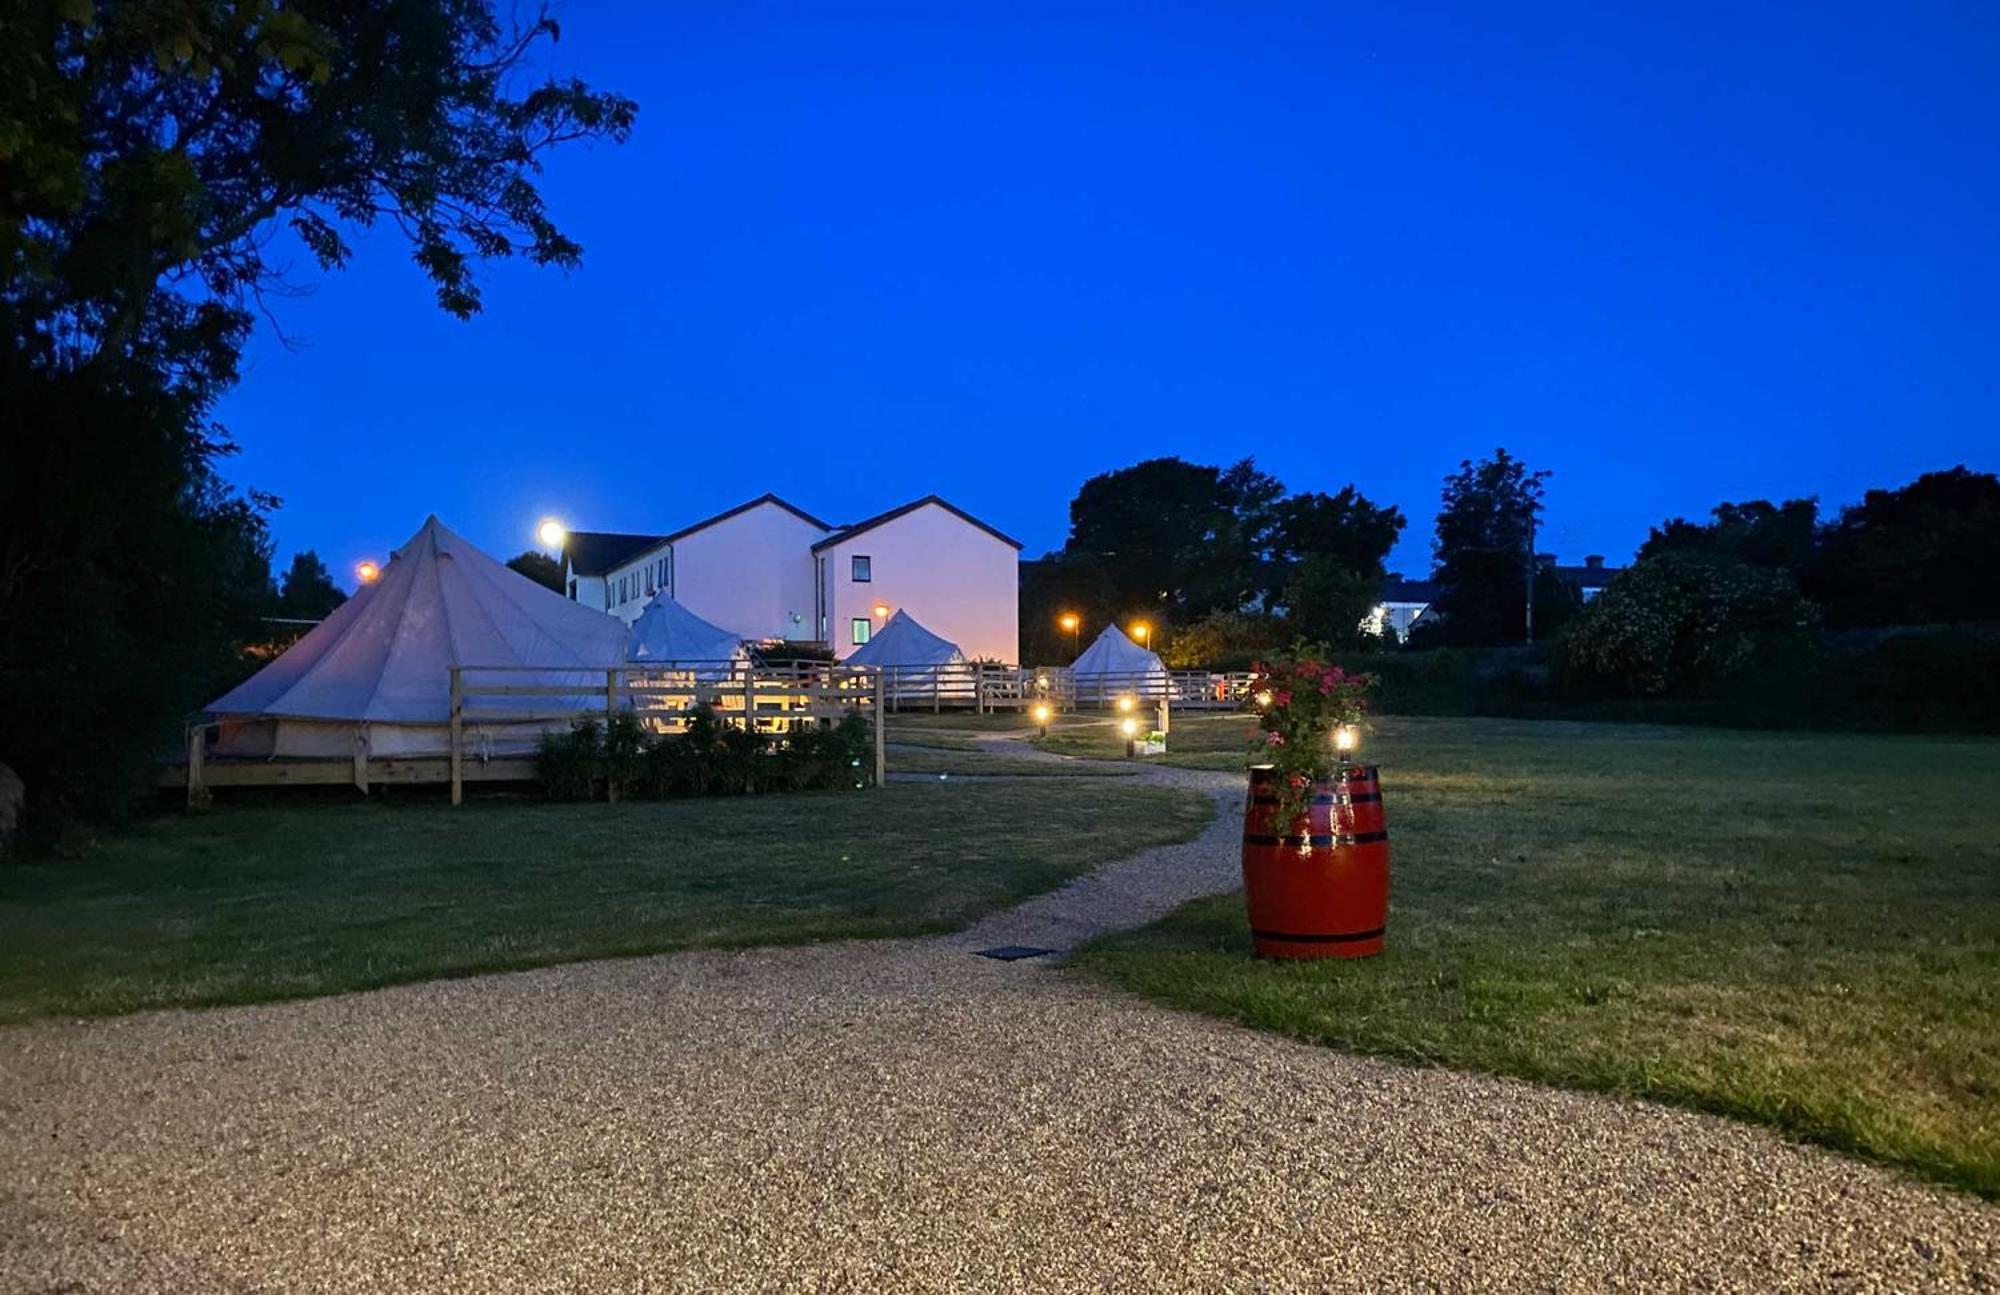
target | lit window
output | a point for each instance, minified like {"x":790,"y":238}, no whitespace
{"x":863,"y":569}
{"x":861,"y":626}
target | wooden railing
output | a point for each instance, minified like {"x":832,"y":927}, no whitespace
{"x":762,"y":699}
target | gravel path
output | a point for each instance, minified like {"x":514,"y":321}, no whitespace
{"x":882,"y":1117}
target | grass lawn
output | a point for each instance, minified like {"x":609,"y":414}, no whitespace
{"x":951,"y":760}
{"x":1798,"y":930}
{"x":272,"y":901}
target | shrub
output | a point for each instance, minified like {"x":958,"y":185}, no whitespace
{"x":1223,"y":641}
{"x":567,"y":763}
{"x":1686,"y":624}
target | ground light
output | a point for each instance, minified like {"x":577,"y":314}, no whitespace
{"x":1130,"y":728}
{"x":552,"y":533}
{"x":366,"y":572}
{"x":1042,"y":718}
{"x":1126,"y":703}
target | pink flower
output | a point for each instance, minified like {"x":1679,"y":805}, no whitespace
{"x":1283,"y":696}
{"x":1298,"y":780}
{"x":1275,"y":739}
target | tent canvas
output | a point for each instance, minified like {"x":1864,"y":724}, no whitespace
{"x":904,"y":642}
{"x":1114,"y":664}
{"x":669,"y":635}
{"x":378,"y":670}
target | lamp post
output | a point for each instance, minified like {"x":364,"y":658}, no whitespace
{"x":1142,"y":631}
{"x":1074,"y":624}
{"x":1130,"y":728}
{"x":552,"y":534}
{"x":1345,"y":739}
{"x":1042,"y":718}
{"x":366,"y":572}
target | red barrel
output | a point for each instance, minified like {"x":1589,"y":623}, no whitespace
{"x":1319,"y":888}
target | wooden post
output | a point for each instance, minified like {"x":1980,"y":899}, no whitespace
{"x":1166,"y":716}
{"x":937,"y":689}
{"x":610,"y":713}
{"x":457,"y":737}
{"x":361,"y":759}
{"x":197,"y":752}
{"x":881,"y":753}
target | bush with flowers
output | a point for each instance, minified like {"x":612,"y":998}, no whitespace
{"x":1299,"y":703}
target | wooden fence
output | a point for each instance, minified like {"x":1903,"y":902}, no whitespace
{"x":762,"y":699}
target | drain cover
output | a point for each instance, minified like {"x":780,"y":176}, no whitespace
{"x":1014,"y":952}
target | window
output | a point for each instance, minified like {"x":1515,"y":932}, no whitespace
{"x":863,"y":568}
{"x":572,"y":591}
{"x":861,"y":627}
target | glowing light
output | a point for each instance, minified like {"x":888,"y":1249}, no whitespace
{"x":366,"y":572}
{"x":552,"y":533}
{"x":1126,"y":703}
{"x":1042,"y":682}
{"x":1346,"y":738}
{"x":1069,"y":621}
{"x":1041,"y":714}
{"x":1130,"y":728}
{"x":1263,"y":699}
{"x":1142,"y":631}
{"x":881,"y":610}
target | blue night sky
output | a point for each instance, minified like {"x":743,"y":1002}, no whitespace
{"x":858,"y":256}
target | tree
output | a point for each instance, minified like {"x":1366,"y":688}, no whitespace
{"x":1175,"y":538}
{"x":1924,"y":554}
{"x":1688,"y":623}
{"x":149,"y":153}
{"x":307,"y":592}
{"x":1481,"y":553}
{"x":1779,"y":537}
{"x":1330,"y":600}
{"x":540,"y":568}
{"x":1347,"y":534}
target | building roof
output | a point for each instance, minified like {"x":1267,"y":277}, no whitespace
{"x":1591,"y":575}
{"x":758,"y":502}
{"x":846,"y":533}
{"x":592,"y":553}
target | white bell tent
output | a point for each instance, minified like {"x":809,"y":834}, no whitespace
{"x":1114,"y":665}
{"x":670,"y":636}
{"x":916,"y":663}
{"x":376,"y":674}
{"x":904,"y":642}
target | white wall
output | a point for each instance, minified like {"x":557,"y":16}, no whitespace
{"x":751,"y":574}
{"x":957,"y":580}
{"x":627,"y":588}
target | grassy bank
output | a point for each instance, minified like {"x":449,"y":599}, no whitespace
{"x":289,"y":899}
{"x":1798,"y":930}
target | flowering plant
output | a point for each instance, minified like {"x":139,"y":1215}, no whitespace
{"x":1299,"y":705}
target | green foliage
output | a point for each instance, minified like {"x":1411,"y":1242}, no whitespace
{"x":540,"y":568}
{"x":148,"y":154}
{"x":1330,"y":600}
{"x":307,"y":591}
{"x":1224,"y":641}
{"x":710,"y":758}
{"x":1777,"y":536}
{"x":129,"y":578}
{"x":1173,"y":543}
{"x":1926,"y":554}
{"x":1485,"y":528}
{"x":1684,"y":624}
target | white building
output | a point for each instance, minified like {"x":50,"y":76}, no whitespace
{"x":769,"y":570}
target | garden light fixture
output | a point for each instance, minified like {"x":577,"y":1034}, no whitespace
{"x":1346,"y":738}
{"x":881,"y":610}
{"x":552,"y":533}
{"x":1042,"y":718}
{"x":1126,"y":703}
{"x":1142,"y":631}
{"x":1263,"y":699}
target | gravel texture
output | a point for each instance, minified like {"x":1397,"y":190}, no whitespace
{"x":882,"y":1117}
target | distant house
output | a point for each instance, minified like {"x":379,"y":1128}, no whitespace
{"x":1405,"y":603}
{"x":768,"y":569}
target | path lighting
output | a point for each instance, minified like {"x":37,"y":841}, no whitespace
{"x":1042,"y":713}
{"x":552,"y":533}
{"x":1263,"y":699}
{"x":1345,"y":739}
{"x":1126,"y":703}
{"x":366,"y":572}
{"x":1130,"y":728}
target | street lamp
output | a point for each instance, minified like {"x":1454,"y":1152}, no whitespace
{"x":1142,"y":631}
{"x":366,"y":572}
{"x":552,"y":533}
{"x":1071,"y":622}
{"x":881,"y":610}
